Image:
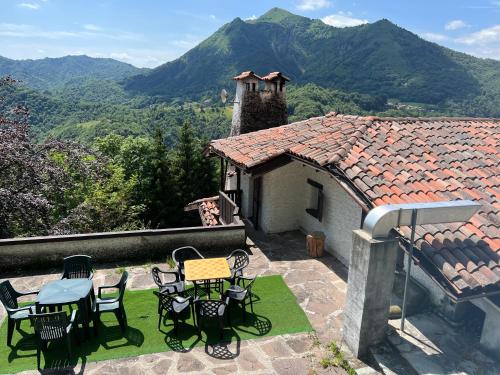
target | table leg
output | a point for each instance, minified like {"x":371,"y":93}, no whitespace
{"x":82,"y":306}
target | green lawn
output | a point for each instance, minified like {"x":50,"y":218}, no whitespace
{"x":276,"y":313}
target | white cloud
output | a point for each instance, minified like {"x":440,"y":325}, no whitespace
{"x":92,"y":27}
{"x":488,"y":36}
{"x":29,"y":31}
{"x":343,"y":19}
{"x":251,"y":18}
{"x":434,"y":37}
{"x":455,"y":25}
{"x":31,"y":6}
{"x":313,"y":4}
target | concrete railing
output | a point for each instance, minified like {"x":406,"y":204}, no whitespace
{"x":141,"y":245}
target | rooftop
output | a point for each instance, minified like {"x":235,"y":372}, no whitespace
{"x":403,"y":160}
{"x":247,"y":74}
{"x":275,"y":75}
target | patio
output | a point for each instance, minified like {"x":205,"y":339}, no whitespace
{"x":320,"y":294}
{"x":319,"y":286}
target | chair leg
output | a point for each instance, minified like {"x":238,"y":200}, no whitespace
{"x":68,"y":345}
{"x":159,"y":319}
{"x":38,"y":355}
{"x":10,"y":330}
{"x":251,"y":302}
{"x":124,"y":314}
{"x":221,"y":326}
{"x":176,"y":322}
{"x":119,"y":317}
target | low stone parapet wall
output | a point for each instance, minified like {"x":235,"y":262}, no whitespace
{"x":141,"y":245}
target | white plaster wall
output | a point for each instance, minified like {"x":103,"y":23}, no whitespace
{"x":341,"y":214}
{"x":246,"y":194}
{"x":282,"y":199}
{"x":286,"y":195}
{"x":436,"y":295}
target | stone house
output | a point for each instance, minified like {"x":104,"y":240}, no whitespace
{"x":325,"y":174}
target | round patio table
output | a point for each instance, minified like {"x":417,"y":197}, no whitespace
{"x":67,"y":292}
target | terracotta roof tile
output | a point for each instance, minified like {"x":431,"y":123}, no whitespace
{"x":395,"y":160}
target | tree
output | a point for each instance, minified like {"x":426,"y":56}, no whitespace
{"x":163,"y":208}
{"x":34,"y":177}
{"x":194,"y":174}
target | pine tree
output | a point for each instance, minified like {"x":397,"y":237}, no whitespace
{"x":194,"y":174}
{"x":163,"y":206}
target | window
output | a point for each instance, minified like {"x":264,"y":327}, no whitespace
{"x":316,"y":209}
{"x":253,"y":87}
{"x":247,"y":86}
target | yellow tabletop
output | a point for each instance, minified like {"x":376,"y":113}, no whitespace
{"x":206,"y":269}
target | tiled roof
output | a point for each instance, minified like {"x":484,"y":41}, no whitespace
{"x":402,"y":160}
{"x":208,"y":208}
{"x":248,"y":74}
{"x":275,"y":75}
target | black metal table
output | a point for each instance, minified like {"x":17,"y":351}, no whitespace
{"x":67,"y":292}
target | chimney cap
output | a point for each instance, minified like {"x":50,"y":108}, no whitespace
{"x":275,"y":76}
{"x":247,"y":74}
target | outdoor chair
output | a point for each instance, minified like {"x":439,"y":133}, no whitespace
{"x":175,"y":306}
{"x":212,"y":309}
{"x":241,"y":294}
{"x":51,"y":327}
{"x":182,"y":254}
{"x":77,"y":267}
{"x":15,"y":314}
{"x":238,"y":260}
{"x":112,"y":304}
{"x":169,"y":287}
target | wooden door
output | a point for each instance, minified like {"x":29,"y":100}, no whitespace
{"x":256,"y":201}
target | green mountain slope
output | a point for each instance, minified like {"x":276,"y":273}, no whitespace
{"x":378,"y":59}
{"x":52,"y":73}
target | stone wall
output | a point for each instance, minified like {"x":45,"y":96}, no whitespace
{"x":141,"y":246}
{"x":262,"y":110}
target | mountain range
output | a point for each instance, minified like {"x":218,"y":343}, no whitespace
{"x":53,"y":73}
{"x":378,"y":68}
{"x":378,"y":59}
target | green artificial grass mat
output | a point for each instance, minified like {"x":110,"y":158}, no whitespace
{"x":276,"y":312}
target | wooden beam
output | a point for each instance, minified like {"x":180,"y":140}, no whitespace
{"x":272,"y":164}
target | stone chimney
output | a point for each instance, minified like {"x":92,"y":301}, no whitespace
{"x":255,"y":109}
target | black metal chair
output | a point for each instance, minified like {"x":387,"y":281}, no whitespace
{"x":114,"y":305}
{"x":15,"y":314}
{"x":176,"y":286}
{"x":50,"y":327}
{"x":173,"y":305}
{"x":241,"y":294}
{"x":212,"y":309}
{"x":238,"y":260}
{"x":182,"y":254}
{"x":77,"y":267}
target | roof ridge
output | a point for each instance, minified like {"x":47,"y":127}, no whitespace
{"x":410,"y":118}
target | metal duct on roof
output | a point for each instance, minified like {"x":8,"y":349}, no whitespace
{"x":379,"y":221}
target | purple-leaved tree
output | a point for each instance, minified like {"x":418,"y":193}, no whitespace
{"x":34,"y":177}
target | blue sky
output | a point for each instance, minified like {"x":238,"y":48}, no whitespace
{"x":151,"y":32}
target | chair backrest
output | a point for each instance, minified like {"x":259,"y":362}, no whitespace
{"x":50,"y":326}
{"x":238,"y":260}
{"x":122,"y":285}
{"x":77,"y":267}
{"x":156,"y":276}
{"x":182,"y":254}
{"x":211,"y":307}
{"x":166,"y":301}
{"x":8,"y":295}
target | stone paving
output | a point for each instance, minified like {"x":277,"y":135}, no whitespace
{"x":320,"y":288}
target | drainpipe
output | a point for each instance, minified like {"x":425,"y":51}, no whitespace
{"x":373,"y":262}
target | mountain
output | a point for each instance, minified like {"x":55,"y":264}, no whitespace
{"x":53,"y":73}
{"x":378,"y":59}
